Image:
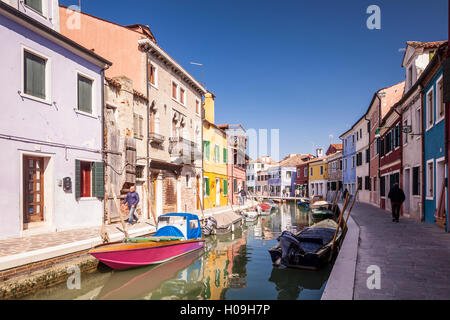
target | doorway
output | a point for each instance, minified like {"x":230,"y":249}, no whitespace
{"x":217,"y":192}
{"x":33,"y":190}
{"x":407,"y":191}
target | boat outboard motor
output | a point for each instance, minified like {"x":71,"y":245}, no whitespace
{"x":290,"y":246}
{"x":210,"y":226}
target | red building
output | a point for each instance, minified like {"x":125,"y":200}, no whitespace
{"x":390,"y":148}
{"x":333,"y":148}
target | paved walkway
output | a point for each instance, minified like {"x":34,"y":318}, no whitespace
{"x":414,"y":257}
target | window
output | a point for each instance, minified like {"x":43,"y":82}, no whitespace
{"x":174,"y":90}
{"x":440,"y":105}
{"x":35,"y":5}
{"x":235,"y":187}
{"x":306,"y":172}
{"x":139,"y":172}
{"x":182,"y":96}
{"x":383,"y":186}
{"x":206,"y":188}
{"x":89,"y":179}
{"x":409,"y":77}
{"x":430,"y":109}
{"x":84,"y":94}
{"x":353,"y":161}
{"x":197,"y":106}
{"x":416,"y":181}
{"x":418,"y":121}
{"x":360,"y":133}
{"x":288,"y":174}
{"x":152,"y":74}
{"x":360,"y":184}
{"x":225,"y":187}
{"x":311,"y":171}
{"x":216,"y":153}
{"x":206,"y":149}
{"x":405,"y":135}
{"x":430,"y":179}
{"x":345,"y":164}
{"x":367,"y":155}
{"x":367,"y":183}
{"x":225,"y":155}
{"x":353,"y":140}
{"x":35,"y":75}
{"x":340,"y":164}
{"x":138,"y":126}
{"x":321,"y":170}
{"x":188,"y":181}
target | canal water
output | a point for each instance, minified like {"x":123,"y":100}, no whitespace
{"x":233,"y":266}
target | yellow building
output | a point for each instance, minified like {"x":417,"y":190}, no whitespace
{"x":318,"y":177}
{"x":215,"y":157}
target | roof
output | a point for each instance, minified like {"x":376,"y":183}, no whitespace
{"x":392,"y":95}
{"x":260,"y":160}
{"x":338,"y":146}
{"x":293,"y":160}
{"x":425,"y":45}
{"x":47,"y":32}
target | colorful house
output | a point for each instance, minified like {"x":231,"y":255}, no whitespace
{"x":318,"y":177}
{"x":349,"y":161}
{"x":215,"y":159}
{"x":237,"y":145}
{"x":335,"y":171}
{"x":52,"y":172}
{"x":415,"y":60}
{"x":435,"y":167}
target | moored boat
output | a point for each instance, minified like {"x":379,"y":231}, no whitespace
{"x":321,"y":214}
{"x":310,"y":248}
{"x":177,"y":234}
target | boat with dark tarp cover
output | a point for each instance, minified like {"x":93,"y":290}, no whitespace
{"x":311,"y":248}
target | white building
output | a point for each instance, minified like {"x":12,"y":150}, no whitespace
{"x":362,"y":131}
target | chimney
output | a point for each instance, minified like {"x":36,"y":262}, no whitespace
{"x":319,"y":152}
{"x":209,"y":107}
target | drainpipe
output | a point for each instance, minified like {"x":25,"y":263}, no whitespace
{"x":102,"y":94}
{"x":148,"y":134}
{"x":422,"y":214}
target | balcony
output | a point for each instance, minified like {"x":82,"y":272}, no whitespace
{"x":154,"y":137}
{"x":182,"y":151}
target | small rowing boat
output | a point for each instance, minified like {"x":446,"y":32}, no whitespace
{"x":177,"y":234}
{"x":310,"y":248}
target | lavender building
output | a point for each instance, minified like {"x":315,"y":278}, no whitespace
{"x":52,"y":173}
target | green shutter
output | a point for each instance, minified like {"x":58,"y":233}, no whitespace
{"x":84,"y":94}
{"x":225,"y":155}
{"x":225,"y":187}
{"x":98,"y":180}
{"x":77,"y":179}
{"x":34,"y":75}
{"x":207,"y":186}
{"x":206,"y":149}
{"x":216,"y":153}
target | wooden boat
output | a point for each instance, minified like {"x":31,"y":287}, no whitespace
{"x":321,"y":214}
{"x":310,"y":248}
{"x":320,"y":205}
{"x":303,"y":202}
{"x":177,"y":234}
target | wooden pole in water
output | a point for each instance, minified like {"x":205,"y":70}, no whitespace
{"x":148,"y":203}
{"x":351,"y":207}
{"x":340,"y":220}
{"x":119,"y":210}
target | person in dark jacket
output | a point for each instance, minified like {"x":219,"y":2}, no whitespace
{"x":344,"y":194}
{"x":397,"y":197}
{"x":132,"y":200}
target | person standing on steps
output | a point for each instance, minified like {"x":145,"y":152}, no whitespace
{"x":132,"y":200}
{"x":397,"y":197}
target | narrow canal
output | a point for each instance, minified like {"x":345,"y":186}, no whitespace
{"x":233,"y":266}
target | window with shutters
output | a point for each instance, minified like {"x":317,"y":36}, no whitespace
{"x":206,"y":186}
{"x":35,"y":75}
{"x":430,"y":109}
{"x":440,"y":105}
{"x":85,"y":98}
{"x":367,"y":183}
{"x":89,"y":179}
{"x":225,"y":187}
{"x":416,"y":181}
{"x":225,"y":155}
{"x":430,"y":179}
{"x":139,"y":172}
{"x":360,"y":184}
{"x":138,"y":126}
{"x":367,"y":155}
{"x":216,"y":153}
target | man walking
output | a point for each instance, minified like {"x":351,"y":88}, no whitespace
{"x":132,"y":200}
{"x":397,"y":197}
{"x":243,"y":194}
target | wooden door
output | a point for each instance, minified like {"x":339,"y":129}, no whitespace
{"x":33,"y":185}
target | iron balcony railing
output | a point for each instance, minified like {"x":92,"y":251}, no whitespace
{"x":182,"y":150}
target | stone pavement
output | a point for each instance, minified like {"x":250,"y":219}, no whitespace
{"x":413,"y":257}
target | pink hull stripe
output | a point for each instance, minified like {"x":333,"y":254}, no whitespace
{"x":140,"y":257}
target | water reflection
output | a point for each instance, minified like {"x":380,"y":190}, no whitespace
{"x":233,"y":266}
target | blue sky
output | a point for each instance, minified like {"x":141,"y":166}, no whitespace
{"x":308,"y":68}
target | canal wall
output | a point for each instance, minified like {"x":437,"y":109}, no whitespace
{"x":341,"y":283}
{"x":26,"y":273}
